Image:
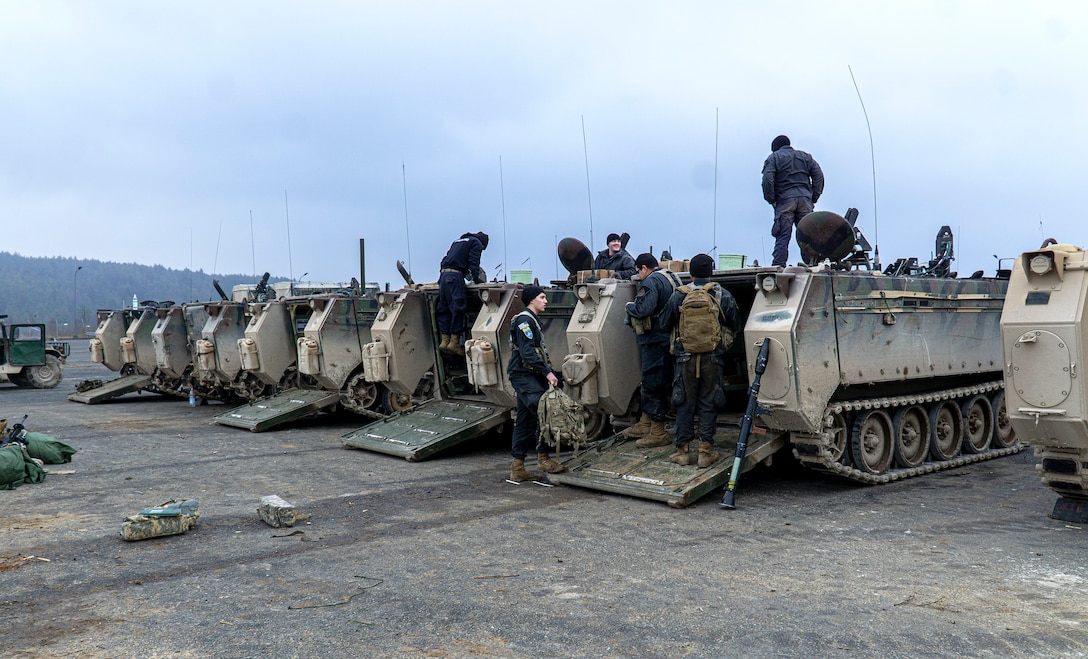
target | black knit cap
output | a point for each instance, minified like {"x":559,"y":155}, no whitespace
{"x":611,"y":237}
{"x":702,"y":266}
{"x":530,"y":293}
{"x":780,"y":142}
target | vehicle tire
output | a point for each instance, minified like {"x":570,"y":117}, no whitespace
{"x":46,"y":376}
{"x":911,"y":428}
{"x":393,"y":403}
{"x":872,"y":445}
{"x":978,"y":424}
{"x":946,"y":426}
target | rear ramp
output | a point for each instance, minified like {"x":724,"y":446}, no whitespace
{"x":618,"y":466}
{"x":426,"y":429}
{"x":112,"y":389}
{"x":284,"y":407}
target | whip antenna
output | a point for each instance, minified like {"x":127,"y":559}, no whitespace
{"x":589,"y":195}
{"x":252,"y":249}
{"x":287,"y":212}
{"x":872,"y":157}
{"x":407,"y":236}
{"x":715,"y":178}
{"x":502,"y":197}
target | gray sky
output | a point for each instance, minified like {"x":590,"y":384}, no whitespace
{"x":148,"y":132}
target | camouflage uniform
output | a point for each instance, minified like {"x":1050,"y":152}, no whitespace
{"x":528,"y":369}
{"x":792,"y":183}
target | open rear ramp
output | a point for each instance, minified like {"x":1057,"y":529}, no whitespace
{"x":428,"y":428}
{"x":284,"y":407}
{"x":616,"y":465}
{"x":112,"y":389}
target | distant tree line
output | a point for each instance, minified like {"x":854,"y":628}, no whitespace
{"x":64,"y":293}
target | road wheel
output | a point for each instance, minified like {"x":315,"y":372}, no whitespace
{"x":871,"y":442}
{"x":1004,"y":434}
{"x":911,"y":427}
{"x":838,"y":427}
{"x":359,"y":394}
{"x":393,"y":403}
{"x":978,"y":424}
{"x":946,"y":425}
{"x":46,"y":376}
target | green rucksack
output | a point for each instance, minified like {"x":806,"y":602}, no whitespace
{"x":700,"y":329}
{"x":561,"y":419}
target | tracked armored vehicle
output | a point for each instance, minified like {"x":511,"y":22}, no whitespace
{"x":872,"y":376}
{"x":1043,"y":329}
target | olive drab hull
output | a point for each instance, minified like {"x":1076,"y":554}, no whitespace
{"x":1045,"y":333}
{"x":879,"y":377}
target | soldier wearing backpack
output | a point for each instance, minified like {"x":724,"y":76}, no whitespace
{"x":704,"y":319}
{"x":530,"y":374}
{"x":654,"y":289}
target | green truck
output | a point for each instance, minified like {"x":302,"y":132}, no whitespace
{"x":27,"y":358}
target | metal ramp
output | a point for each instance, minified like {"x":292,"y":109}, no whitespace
{"x":271,"y":411}
{"x":616,"y":465}
{"x":111,"y":389}
{"x":428,"y":428}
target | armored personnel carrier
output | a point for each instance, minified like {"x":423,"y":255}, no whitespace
{"x":1043,"y":328}
{"x":872,"y":376}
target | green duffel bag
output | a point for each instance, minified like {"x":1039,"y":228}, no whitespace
{"x":48,"y":449}
{"x":17,"y":467}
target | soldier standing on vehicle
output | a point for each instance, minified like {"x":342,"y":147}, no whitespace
{"x":654,"y":289}
{"x":615,"y":258}
{"x":792,"y":184}
{"x":530,"y":374}
{"x":461,"y":261}
{"x":703,"y":318}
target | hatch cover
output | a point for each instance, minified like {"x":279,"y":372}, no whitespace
{"x":424,"y":430}
{"x":271,"y":411}
{"x":617,"y":465}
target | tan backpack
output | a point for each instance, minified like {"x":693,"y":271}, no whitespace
{"x":700,"y":329}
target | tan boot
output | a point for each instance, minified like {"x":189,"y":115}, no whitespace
{"x":707,"y":456}
{"x":547,"y":465}
{"x":640,"y":429}
{"x":682,"y":455}
{"x":444,"y":346}
{"x":454,"y":347}
{"x":519,"y":474}
{"x":657,"y":436}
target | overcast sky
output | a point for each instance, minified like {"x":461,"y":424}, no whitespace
{"x":149,"y":132}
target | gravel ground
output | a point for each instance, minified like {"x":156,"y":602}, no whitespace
{"x":443,"y":558}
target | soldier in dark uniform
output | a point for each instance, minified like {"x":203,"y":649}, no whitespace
{"x":654,"y":290}
{"x":792,"y":184}
{"x":461,"y":261}
{"x":615,"y":258}
{"x":699,"y":374}
{"x":530,"y":374}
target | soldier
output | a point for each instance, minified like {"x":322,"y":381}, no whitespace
{"x":654,"y":289}
{"x":703,"y":318}
{"x":615,"y":258}
{"x":530,"y":374}
{"x":792,"y":184}
{"x":461,"y":261}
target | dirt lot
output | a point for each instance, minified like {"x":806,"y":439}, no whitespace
{"x":443,"y":558}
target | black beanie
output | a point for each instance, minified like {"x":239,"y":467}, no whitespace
{"x":702,"y":266}
{"x":780,"y":142}
{"x":646,"y":259}
{"x":611,"y":237}
{"x":530,"y":293}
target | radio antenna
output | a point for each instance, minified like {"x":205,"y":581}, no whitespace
{"x":872,"y":157}
{"x":252,"y":248}
{"x":215,"y":263}
{"x":287,"y":212}
{"x":502,"y":197}
{"x":407,"y":236}
{"x":715,"y":178}
{"x":589,"y":194}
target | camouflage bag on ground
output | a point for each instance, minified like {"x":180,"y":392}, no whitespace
{"x":700,"y":328}
{"x":561,"y":419}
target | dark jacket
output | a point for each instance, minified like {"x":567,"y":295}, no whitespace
{"x":464,"y":256}
{"x":621,"y":262}
{"x":789,"y":173}
{"x":651,"y":298}
{"x":528,"y":356}
{"x":729,"y":315}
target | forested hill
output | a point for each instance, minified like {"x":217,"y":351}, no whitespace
{"x":52,"y":290}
